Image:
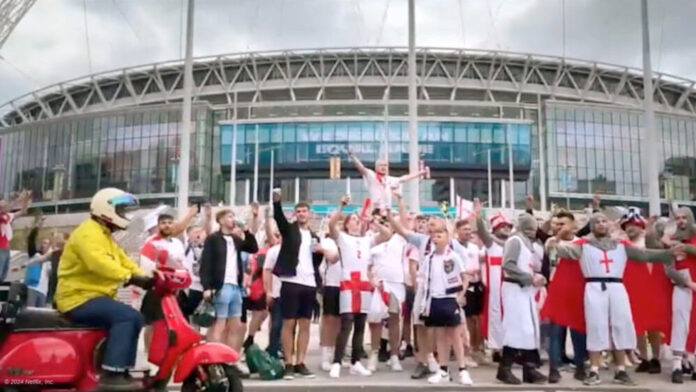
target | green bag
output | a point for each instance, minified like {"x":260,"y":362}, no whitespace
{"x":259,"y":361}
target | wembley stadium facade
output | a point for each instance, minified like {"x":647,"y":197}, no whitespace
{"x":574,"y":127}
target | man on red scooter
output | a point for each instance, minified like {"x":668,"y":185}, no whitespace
{"x":91,"y":269}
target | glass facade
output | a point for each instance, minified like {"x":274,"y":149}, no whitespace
{"x":137,"y":151}
{"x":455,"y":147}
{"x":461,"y":143}
{"x":593,"y":149}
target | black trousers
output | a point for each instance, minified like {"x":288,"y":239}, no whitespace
{"x":355,"y":322}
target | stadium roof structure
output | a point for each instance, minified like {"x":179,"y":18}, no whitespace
{"x":355,"y":75}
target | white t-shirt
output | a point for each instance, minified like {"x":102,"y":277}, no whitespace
{"x":330,"y":272}
{"x":42,"y":285}
{"x":437,"y":273}
{"x":388,"y":260}
{"x":304,"y":273}
{"x":469,"y":254}
{"x":379,"y":188}
{"x":268,"y":264}
{"x":231,"y":271}
{"x":161,"y":251}
{"x":192,"y":262}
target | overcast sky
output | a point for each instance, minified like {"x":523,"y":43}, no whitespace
{"x":50,"y":43}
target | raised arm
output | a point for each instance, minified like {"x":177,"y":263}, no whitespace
{"x":403,"y":214}
{"x":411,"y":176}
{"x":279,"y":216}
{"x":398,"y":227}
{"x":358,"y":165}
{"x":180,"y":225}
{"x":333,"y":220}
{"x":511,"y":253}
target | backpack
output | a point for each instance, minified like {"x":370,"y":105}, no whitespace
{"x":261,"y":362}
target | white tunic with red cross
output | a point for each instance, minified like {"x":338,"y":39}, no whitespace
{"x":356,"y":290}
{"x":493,"y":317}
{"x":161,"y":251}
{"x":608,"y":317}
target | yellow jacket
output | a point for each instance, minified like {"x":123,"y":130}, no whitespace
{"x":92,"y":265}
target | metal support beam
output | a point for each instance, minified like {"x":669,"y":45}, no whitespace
{"x":413,"y":155}
{"x":185,"y":149}
{"x":651,"y":141}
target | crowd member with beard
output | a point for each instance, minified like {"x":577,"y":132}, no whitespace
{"x":443,"y":279}
{"x":388,"y":275}
{"x":190,"y":298}
{"x":520,"y":317}
{"x":683,"y":333}
{"x":492,"y":326}
{"x":379,"y":183}
{"x":298,"y":268}
{"x":222,"y":275}
{"x":161,"y":249}
{"x":564,"y":305}
{"x":648,"y":289}
{"x":608,"y":317}
{"x":355,"y":292}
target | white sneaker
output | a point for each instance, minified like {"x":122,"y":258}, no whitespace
{"x":465,"y":378}
{"x":395,"y":364}
{"x":433,"y":366}
{"x":470,"y":362}
{"x":438,"y":377}
{"x":372,"y":362}
{"x":359,"y":370}
{"x":242,"y":367}
{"x":326,"y":366}
{"x":335,"y":370}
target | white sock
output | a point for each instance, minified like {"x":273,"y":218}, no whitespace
{"x":676,"y":362}
{"x":621,"y":368}
{"x":594,"y":369}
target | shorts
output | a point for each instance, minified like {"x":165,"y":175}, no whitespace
{"x":474,"y":299}
{"x":298,"y":301}
{"x":330,"y":305}
{"x":444,"y":312}
{"x":228,"y":302}
{"x":410,"y":297}
{"x":151,"y":307}
{"x":256,"y":305}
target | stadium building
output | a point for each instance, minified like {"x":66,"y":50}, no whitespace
{"x":574,"y":128}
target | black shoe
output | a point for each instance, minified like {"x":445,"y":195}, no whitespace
{"x":301,"y":370}
{"x":554,"y":376}
{"x":621,"y":377}
{"x":567,"y":361}
{"x":116,"y":381}
{"x":497,"y":357}
{"x":532,"y":376}
{"x":643,"y":367}
{"x":654,"y":367}
{"x":383,"y":355}
{"x":592,"y":379}
{"x":289,"y":373}
{"x":506,"y":377}
{"x":693,"y":377}
{"x":580,"y":374}
{"x":687,"y":368}
{"x":421,"y":372}
{"x":677,"y":376}
{"x":409,"y":351}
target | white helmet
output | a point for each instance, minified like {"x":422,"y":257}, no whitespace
{"x":111,"y":205}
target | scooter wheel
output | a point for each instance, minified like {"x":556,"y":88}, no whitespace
{"x":218,"y":378}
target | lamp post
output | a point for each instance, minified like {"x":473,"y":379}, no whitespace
{"x":58,"y":176}
{"x":490,"y":172}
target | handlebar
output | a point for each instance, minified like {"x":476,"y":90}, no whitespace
{"x":144,"y":282}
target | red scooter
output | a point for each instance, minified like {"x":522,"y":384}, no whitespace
{"x":41,"y":350}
